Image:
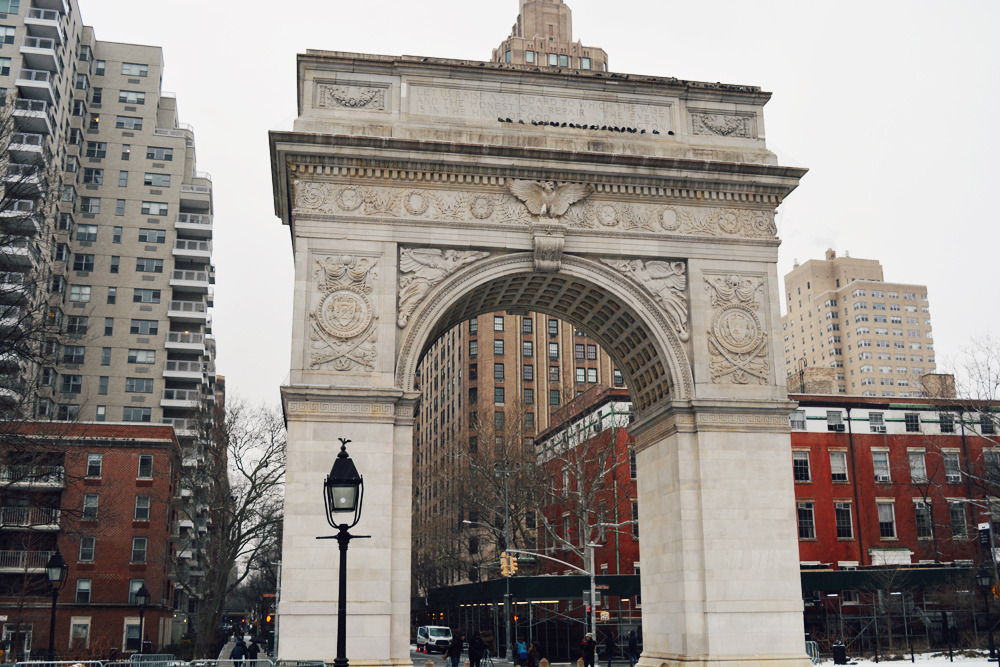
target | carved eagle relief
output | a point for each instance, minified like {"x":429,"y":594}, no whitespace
{"x":547,"y":199}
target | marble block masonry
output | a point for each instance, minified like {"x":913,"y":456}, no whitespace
{"x":420,"y":192}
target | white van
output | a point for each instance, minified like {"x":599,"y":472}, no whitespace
{"x":432,"y":638}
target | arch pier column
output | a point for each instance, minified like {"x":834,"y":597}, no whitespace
{"x":718,"y":551}
{"x":380,"y":423}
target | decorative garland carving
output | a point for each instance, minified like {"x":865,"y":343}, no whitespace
{"x":724,"y":125}
{"x":343,"y":325}
{"x":667,"y":281}
{"x":737,"y":340}
{"x":351,"y":97}
{"x":420,"y":269}
{"x":506,"y":209}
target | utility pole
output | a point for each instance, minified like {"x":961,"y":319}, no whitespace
{"x":506,"y":470}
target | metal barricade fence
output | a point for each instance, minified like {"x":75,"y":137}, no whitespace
{"x":812,"y":650}
{"x":56,"y":663}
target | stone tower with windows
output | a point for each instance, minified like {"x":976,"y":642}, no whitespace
{"x":543,"y":37}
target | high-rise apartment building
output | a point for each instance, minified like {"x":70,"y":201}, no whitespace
{"x":870,"y":337}
{"x":543,"y":37}
{"x":106,"y":244}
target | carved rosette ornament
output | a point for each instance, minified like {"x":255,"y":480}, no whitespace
{"x":343,"y":326}
{"x":420,"y":269}
{"x":737,"y":340}
{"x":666,"y":281}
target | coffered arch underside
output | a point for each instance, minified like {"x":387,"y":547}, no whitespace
{"x":638,"y":335}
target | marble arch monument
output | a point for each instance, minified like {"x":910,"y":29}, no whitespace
{"x":420,"y":192}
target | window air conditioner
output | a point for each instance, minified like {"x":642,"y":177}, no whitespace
{"x":878,"y":429}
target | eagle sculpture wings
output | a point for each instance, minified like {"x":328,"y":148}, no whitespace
{"x":547,"y":199}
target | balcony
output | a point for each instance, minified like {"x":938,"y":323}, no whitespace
{"x":194,"y":224}
{"x":11,"y":390}
{"x":19,"y":217}
{"x":36,"y":84}
{"x":188,"y":311}
{"x":24,"y":476}
{"x":180,"y":398}
{"x":197,"y":196}
{"x":40,"y":53}
{"x":184,"y":370}
{"x":182,"y":427}
{"x":34,"y":518}
{"x":61,"y":6}
{"x":15,"y":287}
{"x":192,"y":281}
{"x":13,"y":562}
{"x":185,"y":341}
{"x":45,"y":23}
{"x":19,"y":252}
{"x":26,"y":147}
{"x":192,"y":250}
{"x":33,"y":115}
{"x":22,"y":180}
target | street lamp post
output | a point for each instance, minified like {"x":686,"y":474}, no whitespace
{"x":985,"y":581}
{"x":56,"y":570}
{"x":343,"y":492}
{"x":141,"y":600}
{"x":506,"y":472}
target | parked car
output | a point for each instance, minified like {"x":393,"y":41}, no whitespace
{"x":432,"y":638}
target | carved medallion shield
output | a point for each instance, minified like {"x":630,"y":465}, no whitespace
{"x":738,"y":329}
{"x":345,"y":313}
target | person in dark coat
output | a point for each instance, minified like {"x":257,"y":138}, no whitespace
{"x":610,"y":647}
{"x":477,"y":648}
{"x":238,"y":652}
{"x":633,"y":648}
{"x":253,"y":651}
{"x":455,"y":648}
{"x":587,"y":648}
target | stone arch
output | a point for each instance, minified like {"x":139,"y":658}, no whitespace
{"x":639,"y":336}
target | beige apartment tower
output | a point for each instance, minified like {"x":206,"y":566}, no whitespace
{"x":848,"y":331}
{"x":542,"y":37}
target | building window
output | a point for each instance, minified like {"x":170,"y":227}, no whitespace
{"x":105,"y":356}
{"x":553,"y":350}
{"x":528,"y":373}
{"x":82,"y":591}
{"x":139,"y":385}
{"x":4,"y":66}
{"x":553,"y":327}
{"x":144,"y":327}
{"x":619,"y":380}
{"x":101,"y":413}
{"x":473,"y":349}
{"x":918,"y":468}
{"x":798,"y":420}
{"x":102,"y":385}
{"x":553,"y":59}
{"x":922,"y":513}
{"x":959,"y":527}
{"x":529,"y":399}
{"x":845,"y":527}
{"x":886,"y":520}
{"x":92,"y":177}
{"x":585,"y":63}
{"x":146,"y":296}
{"x":141,"y":356}
{"x":498,"y":420}
{"x":986,"y":424}
{"x":74,"y":354}
{"x":10,"y":6}
{"x":806,"y":520}
{"x":148,"y":265}
{"x":71,"y":384}
{"x":88,"y":546}
{"x":141,"y":508}
{"x":880,"y":462}
{"x":131,"y":414}
{"x":154,"y":208}
{"x":554,"y":397}
{"x":553,"y":374}
{"x":96,"y":149}
{"x":563,"y":60}
{"x":838,"y":466}
{"x":800,"y":466}
{"x":498,"y":396}
{"x":635,"y":519}
{"x":133,"y":587}
{"x":876,"y":422}
{"x":94,"y":462}
{"x":578,"y":351}
{"x":90,"y":502}
{"x":473,"y":325}
{"x":109,"y":326}
{"x":498,"y":347}
{"x":527,"y":348}
{"x":952,"y":471}
{"x":83,"y":262}
{"x":947,"y":421}
{"x":159,"y":153}
{"x":119,"y":210}
{"x":498,"y":322}
{"x":135,"y":69}
{"x":113,"y":268}
{"x":145,"y":466}
{"x":498,"y":372}
{"x":138,"y":549}
{"x":76,"y":324}
{"x":131,"y":97}
{"x":912,"y":422}
{"x":529,"y":57}
{"x":592,"y":352}
{"x":581,"y":375}
{"x":592,"y":375}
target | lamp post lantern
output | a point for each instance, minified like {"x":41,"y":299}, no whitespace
{"x":142,"y":597}
{"x":343,"y":493}
{"x":55,"y":570}
{"x":984,"y":579}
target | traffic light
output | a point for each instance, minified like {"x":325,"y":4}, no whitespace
{"x":513,"y":563}
{"x":268,"y":619}
{"x":505,"y":564}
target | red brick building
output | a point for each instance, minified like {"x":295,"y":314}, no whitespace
{"x":100,"y":494}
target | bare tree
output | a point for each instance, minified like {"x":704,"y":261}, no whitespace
{"x":234,"y":514}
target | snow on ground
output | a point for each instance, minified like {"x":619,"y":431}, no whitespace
{"x":923,"y":659}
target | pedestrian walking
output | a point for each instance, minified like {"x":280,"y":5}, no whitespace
{"x":455,"y":648}
{"x":587,"y":648}
{"x":238,"y":653}
{"x":477,"y":648}
{"x":521,"y":654}
{"x":252,"y":652}
{"x":633,"y":648}
{"x":534,"y":654}
{"x":610,"y":646}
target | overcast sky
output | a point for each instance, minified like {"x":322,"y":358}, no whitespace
{"x":894,"y":106}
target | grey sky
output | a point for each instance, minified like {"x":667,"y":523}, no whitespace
{"x":890,"y":104}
